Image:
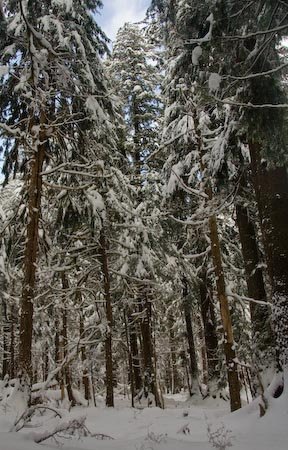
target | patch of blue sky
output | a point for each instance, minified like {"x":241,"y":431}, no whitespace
{"x":115,"y":13}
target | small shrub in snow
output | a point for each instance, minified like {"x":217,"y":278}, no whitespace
{"x":151,"y":440}
{"x":221,"y":438}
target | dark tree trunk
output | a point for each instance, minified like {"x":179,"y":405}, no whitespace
{"x":149,"y":383}
{"x":45,"y":362}
{"x":30,"y":263}
{"x":109,"y":317}
{"x":6,"y":332}
{"x":135,"y":354}
{"x":210,"y":331}
{"x":130,"y":360}
{"x":12,"y":343}
{"x":190,"y":336}
{"x":85,"y":377}
{"x":271,"y":188}
{"x":175,"y":385}
{"x":57,"y":345}
{"x":263,"y":340}
{"x":64,"y":335}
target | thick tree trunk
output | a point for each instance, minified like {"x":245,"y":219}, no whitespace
{"x":109,"y":317}
{"x":271,"y":188}
{"x":263,"y":340}
{"x":230,"y":355}
{"x":30,"y":263}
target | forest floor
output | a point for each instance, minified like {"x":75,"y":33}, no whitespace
{"x":182,"y":425}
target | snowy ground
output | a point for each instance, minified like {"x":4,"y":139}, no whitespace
{"x":181,"y":426}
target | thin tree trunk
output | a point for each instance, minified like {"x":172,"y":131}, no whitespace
{"x":12,"y":343}
{"x":30,"y":263}
{"x":109,"y":317}
{"x":149,"y":384}
{"x":45,"y":362}
{"x":204,"y":357}
{"x":5,"y":331}
{"x":175,"y":388}
{"x":85,"y":377}
{"x":57,"y":347}
{"x":135,"y":354}
{"x":210,"y":331}
{"x":130,"y":360}
{"x":64,"y":335}
{"x":190,"y":337}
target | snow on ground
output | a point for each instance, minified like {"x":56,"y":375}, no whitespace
{"x":181,"y":426}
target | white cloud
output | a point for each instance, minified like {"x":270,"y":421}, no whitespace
{"x":117,"y":12}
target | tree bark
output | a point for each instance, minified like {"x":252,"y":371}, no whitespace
{"x":230,"y":355}
{"x":190,"y":336}
{"x":85,"y":377}
{"x":135,"y":354}
{"x":130,"y":360}
{"x":175,"y":387}
{"x":5,"y":334}
{"x":109,"y":317}
{"x":149,"y":384}
{"x":12,"y":343}
{"x":64,"y":336}
{"x":210,"y":331}
{"x":271,"y":188}
{"x":263,"y":339}
{"x":30,"y":262}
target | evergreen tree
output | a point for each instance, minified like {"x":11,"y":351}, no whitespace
{"x":47,"y":56}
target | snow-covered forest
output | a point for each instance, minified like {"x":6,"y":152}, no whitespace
{"x":144,"y":226}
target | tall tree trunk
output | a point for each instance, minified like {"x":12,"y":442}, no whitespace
{"x":135,"y":354}
{"x":64,"y":335}
{"x":190,"y":337}
{"x":149,"y":384}
{"x":263,"y":340}
{"x":85,"y":377}
{"x":30,"y":262}
{"x":230,"y":355}
{"x":210,"y":332}
{"x":5,"y":334}
{"x":130,"y":360}
{"x":271,"y":188}
{"x":109,"y":317}
{"x":57,"y":354}
{"x":12,"y":343}
{"x":175,"y":388}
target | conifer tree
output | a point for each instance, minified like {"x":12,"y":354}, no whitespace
{"x":41,"y":110}
{"x":133,"y":70}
